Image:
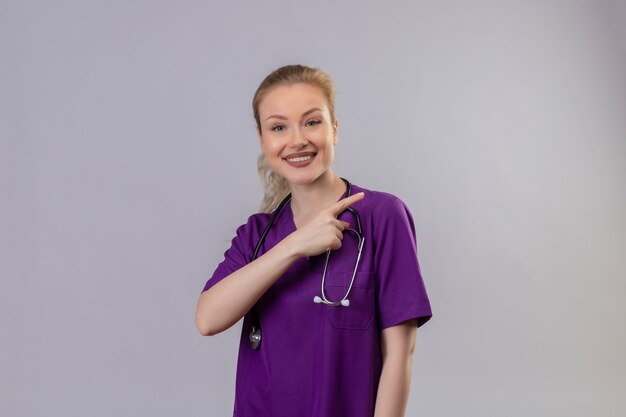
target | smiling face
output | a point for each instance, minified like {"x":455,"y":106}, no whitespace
{"x":297,"y":135}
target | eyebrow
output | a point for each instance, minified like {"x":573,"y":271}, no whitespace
{"x":278,"y":116}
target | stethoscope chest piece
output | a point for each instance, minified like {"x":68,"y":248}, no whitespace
{"x":255,"y":337}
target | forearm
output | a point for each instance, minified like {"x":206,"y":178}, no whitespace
{"x":394,"y":385}
{"x":229,"y":300}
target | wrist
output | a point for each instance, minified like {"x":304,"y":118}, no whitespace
{"x":290,"y":248}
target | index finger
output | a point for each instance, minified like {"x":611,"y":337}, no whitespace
{"x":343,"y":204}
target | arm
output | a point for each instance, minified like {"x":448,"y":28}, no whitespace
{"x":226,"y":302}
{"x":229,"y":300}
{"x":397,"y":345}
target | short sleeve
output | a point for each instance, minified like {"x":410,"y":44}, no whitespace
{"x":239,"y":253}
{"x":400,"y":291}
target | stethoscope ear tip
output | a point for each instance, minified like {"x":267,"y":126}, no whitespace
{"x":318,"y":300}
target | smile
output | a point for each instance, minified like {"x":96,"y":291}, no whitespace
{"x":300,"y":158}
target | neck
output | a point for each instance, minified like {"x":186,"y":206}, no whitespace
{"x":308,"y":200}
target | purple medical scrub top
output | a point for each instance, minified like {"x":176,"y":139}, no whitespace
{"x":317,"y":360}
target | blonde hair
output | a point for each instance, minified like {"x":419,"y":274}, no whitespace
{"x":276,"y":187}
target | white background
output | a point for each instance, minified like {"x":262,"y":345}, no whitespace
{"x":128,"y":159}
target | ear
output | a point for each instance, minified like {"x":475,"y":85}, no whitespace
{"x":336,"y":132}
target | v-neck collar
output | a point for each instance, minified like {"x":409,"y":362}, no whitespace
{"x":289,"y":224}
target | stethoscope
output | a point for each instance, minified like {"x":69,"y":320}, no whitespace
{"x":255,"y":334}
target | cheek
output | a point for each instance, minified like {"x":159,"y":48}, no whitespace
{"x":330,"y":154}
{"x":268,"y":145}
{"x":329,"y":147}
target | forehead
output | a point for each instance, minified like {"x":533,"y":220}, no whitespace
{"x":292,"y":99}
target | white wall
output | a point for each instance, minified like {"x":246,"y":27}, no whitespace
{"x":128,"y":159}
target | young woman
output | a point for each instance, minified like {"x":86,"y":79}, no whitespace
{"x":326,"y":276}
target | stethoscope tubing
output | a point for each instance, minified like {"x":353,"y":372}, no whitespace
{"x":255,"y":334}
{"x":345,"y":302}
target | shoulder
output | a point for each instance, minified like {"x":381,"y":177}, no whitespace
{"x":246,"y":236}
{"x":379,"y":203}
{"x":255,"y":223}
{"x":388,"y":215}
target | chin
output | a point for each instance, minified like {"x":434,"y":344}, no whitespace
{"x":303,"y":179}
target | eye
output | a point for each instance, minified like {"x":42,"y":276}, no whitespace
{"x":315,"y":122}
{"x":277,"y":128}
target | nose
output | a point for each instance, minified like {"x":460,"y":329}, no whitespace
{"x":297,"y":139}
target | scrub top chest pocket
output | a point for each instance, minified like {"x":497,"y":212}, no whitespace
{"x":359,"y":315}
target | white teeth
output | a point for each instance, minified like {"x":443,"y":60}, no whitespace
{"x":300,"y":159}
